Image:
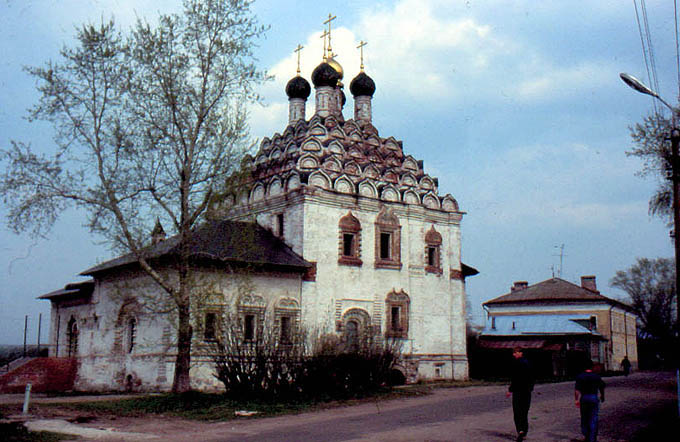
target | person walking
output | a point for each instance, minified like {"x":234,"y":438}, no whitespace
{"x":625,"y":365}
{"x":585,"y":393}
{"x":521,"y":386}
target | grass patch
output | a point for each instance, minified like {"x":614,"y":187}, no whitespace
{"x":217,"y":407}
{"x":15,"y":432}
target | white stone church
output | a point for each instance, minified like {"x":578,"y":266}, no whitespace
{"x":348,"y":235}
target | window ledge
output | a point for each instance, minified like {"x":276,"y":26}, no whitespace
{"x":432,"y":269}
{"x":383,"y":264}
{"x":350,"y":261}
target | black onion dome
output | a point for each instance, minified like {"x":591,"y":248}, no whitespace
{"x":298,"y":87}
{"x":362,"y":84}
{"x":325,"y":75}
{"x":344,"y":98}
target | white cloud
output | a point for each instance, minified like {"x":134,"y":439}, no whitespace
{"x":550,"y":82}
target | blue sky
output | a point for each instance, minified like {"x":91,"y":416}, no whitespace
{"x":515,"y":105}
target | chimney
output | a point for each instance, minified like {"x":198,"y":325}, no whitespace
{"x":588,"y":283}
{"x":158,"y":234}
{"x":519,"y":285}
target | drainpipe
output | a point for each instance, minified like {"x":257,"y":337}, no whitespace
{"x":56,"y":351}
{"x":610,"y":354}
{"x":625,"y":331}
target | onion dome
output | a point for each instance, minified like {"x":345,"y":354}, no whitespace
{"x":343,"y":97}
{"x":298,"y":87}
{"x":338,"y":68}
{"x":362,"y":84}
{"x":325,"y":75}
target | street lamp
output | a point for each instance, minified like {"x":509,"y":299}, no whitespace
{"x":636,"y":84}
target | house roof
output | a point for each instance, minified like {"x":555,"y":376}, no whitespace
{"x":543,"y":325}
{"x":224,"y":241}
{"x":554,"y":290}
{"x":73,"y":290}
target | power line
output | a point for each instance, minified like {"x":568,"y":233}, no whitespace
{"x":677,"y":46}
{"x":645,"y":41}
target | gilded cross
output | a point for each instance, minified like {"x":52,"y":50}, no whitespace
{"x":297,"y":50}
{"x":324,"y":35}
{"x":361,"y":49}
{"x":328,"y":22}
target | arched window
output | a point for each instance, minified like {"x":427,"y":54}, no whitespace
{"x":387,"y":241}
{"x":397,"y":315}
{"x":72,"y":332}
{"x":349,"y":247}
{"x":433,"y":244}
{"x":131,"y":334}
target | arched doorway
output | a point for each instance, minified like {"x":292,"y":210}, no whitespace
{"x":356,"y":327}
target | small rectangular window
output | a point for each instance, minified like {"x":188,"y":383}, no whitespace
{"x":249,"y":327}
{"x":385,"y":245}
{"x":347,"y":244}
{"x":279,"y":224}
{"x":210,"y":326}
{"x":432,"y":257}
{"x":285,"y":329}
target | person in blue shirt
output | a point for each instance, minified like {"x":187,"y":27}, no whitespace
{"x":588,"y":384}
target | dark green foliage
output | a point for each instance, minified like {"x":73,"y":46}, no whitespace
{"x":650,"y":283}
{"x":653,"y":146}
{"x":16,"y":432}
{"x":9,"y":353}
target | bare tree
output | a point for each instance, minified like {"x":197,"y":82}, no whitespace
{"x":148,"y":124}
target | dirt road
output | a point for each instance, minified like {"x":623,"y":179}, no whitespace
{"x":462,"y":414}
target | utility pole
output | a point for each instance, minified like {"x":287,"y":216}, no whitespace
{"x":636,"y":84}
{"x":25,"y":329}
{"x":39,"y":326}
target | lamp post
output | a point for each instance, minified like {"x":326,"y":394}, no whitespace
{"x":636,"y":84}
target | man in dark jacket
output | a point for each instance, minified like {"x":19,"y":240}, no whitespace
{"x":521,"y":386}
{"x":587,"y":386}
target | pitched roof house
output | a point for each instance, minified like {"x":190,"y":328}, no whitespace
{"x":563,"y":318}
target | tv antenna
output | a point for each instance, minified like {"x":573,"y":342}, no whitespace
{"x":561,"y":255}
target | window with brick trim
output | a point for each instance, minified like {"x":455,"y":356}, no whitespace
{"x":286,"y":317}
{"x":397,"y":314}
{"x":349,"y":248}
{"x":251,"y":310}
{"x":433,"y":244}
{"x":387,"y":241}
